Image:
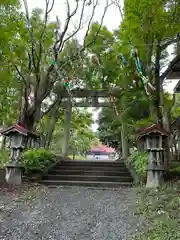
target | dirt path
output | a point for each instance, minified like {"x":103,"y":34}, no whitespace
{"x":74,"y":213}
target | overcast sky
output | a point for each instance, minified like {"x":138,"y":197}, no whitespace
{"x":111,"y":20}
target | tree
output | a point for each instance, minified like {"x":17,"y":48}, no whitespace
{"x":80,"y":141}
{"x":37,"y":71}
{"x":140,"y":29}
{"x":9,"y":87}
{"x":136,"y":116}
{"x":111,"y":74}
{"x":81,"y":135}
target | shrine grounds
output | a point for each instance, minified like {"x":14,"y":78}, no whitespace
{"x":67,"y":213}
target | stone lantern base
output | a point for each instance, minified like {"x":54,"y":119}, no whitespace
{"x":154,"y":178}
{"x":14,"y":174}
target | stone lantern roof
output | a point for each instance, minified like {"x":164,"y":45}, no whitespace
{"x":154,"y":128}
{"x":19,"y":128}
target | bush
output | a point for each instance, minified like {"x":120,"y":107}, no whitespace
{"x":175,"y":169}
{"x":37,"y":159}
{"x":4,"y":157}
{"x":139,"y":160}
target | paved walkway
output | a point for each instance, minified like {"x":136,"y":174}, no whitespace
{"x":74,"y":213}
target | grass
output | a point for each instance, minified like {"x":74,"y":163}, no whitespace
{"x":78,"y":157}
{"x":4,"y":158}
{"x":160,"y":209}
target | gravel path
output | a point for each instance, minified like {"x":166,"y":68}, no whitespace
{"x":74,"y":213}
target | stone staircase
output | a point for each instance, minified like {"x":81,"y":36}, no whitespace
{"x":88,"y":173}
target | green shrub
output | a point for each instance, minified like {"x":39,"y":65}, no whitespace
{"x":138,"y":160}
{"x":4,"y":157}
{"x":175,"y":169}
{"x":37,"y":159}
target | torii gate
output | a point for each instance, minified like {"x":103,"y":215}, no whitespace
{"x":91,"y":100}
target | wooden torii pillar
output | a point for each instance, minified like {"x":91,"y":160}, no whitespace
{"x":67,"y":126}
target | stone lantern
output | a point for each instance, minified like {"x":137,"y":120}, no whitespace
{"x":19,"y":139}
{"x":153,"y":138}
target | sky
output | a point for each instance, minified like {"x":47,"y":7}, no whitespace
{"x":112,"y":20}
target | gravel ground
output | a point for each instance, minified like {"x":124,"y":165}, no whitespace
{"x":68,"y":213}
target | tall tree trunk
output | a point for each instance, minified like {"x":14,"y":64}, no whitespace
{"x":50,"y":130}
{"x":158,"y":84}
{"x":28,"y":118}
{"x":124,"y":141}
{"x":30,"y":113}
{"x":152,"y":109}
{"x":54,"y":115}
{"x":51,"y":126}
{"x":166,"y":126}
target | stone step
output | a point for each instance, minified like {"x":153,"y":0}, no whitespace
{"x":91,"y":168}
{"x":91,"y":163}
{"x":88,"y":178}
{"x":95,"y":172}
{"x":88,"y":173}
{"x":54,"y":183}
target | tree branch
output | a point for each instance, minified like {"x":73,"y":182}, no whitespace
{"x":117,"y":3}
{"x":30,"y":63}
{"x":58,"y":43}
{"x":175,"y":18}
{"x":100,"y":26}
{"x":74,"y":57}
{"x":47,"y":11}
{"x":49,"y":84}
{"x":33,"y":51}
{"x":78,"y":28}
{"x":157,"y":82}
{"x":56,"y":102}
{"x":91,"y":18}
{"x":52,"y":5}
{"x":20,"y":75}
{"x":169,"y":68}
{"x":26,"y":85}
{"x":42,"y":35}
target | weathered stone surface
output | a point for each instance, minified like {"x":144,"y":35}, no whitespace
{"x":154,"y":179}
{"x":13,"y":175}
{"x":74,"y":213}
